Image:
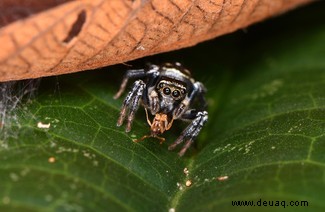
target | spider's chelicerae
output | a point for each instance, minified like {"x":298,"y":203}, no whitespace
{"x":168,"y":92}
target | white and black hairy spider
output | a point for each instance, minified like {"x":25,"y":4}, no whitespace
{"x":168,"y":92}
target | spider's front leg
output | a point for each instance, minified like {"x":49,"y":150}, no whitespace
{"x":199,"y":118}
{"x":131,"y":104}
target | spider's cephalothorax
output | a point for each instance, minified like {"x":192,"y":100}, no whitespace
{"x":167,"y":92}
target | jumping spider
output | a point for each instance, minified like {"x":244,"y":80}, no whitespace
{"x":167,"y":92}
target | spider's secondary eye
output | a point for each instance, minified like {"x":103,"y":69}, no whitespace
{"x":176,"y":93}
{"x":160,"y":85}
{"x":167,"y":91}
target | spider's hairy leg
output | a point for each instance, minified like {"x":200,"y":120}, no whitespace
{"x":137,"y":73}
{"x":131,"y":104}
{"x":199,"y":118}
{"x":201,"y":96}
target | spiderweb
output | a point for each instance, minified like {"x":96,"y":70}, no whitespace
{"x":13,"y":95}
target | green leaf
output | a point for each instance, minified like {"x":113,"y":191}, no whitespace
{"x":264,"y":140}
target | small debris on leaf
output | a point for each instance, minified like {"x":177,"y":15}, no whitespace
{"x":222,"y":178}
{"x":186,"y":171}
{"x":180,"y":187}
{"x":51,"y":159}
{"x":43,"y":126}
{"x":171,"y":210}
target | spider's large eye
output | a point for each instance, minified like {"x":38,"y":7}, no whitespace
{"x":176,"y":93}
{"x":167,"y":91}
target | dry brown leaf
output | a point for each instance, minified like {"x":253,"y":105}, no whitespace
{"x":43,"y":38}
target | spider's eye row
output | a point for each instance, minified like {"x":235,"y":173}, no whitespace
{"x":167,"y":91}
{"x":176,"y":93}
{"x":161,"y":85}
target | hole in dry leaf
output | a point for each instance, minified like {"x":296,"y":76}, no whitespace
{"x":76,"y":27}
